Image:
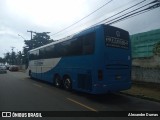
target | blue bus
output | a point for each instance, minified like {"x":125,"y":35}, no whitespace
{"x":96,"y":60}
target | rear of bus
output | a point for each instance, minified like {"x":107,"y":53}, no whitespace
{"x":114,"y":70}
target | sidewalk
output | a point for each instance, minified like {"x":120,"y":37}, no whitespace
{"x":150,"y":91}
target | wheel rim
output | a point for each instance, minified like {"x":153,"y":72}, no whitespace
{"x":67,"y":83}
{"x":57,"y":82}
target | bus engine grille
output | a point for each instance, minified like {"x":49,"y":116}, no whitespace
{"x":85,"y":81}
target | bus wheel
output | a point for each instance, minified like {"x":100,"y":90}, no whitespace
{"x":57,"y":81}
{"x":67,"y":83}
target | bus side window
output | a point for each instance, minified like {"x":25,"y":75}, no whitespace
{"x":76,"y":46}
{"x":88,"y":43}
{"x":46,"y":53}
{"x":42,"y":53}
{"x":31,"y":56}
{"x":34,"y":55}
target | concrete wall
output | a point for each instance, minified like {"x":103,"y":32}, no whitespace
{"x":146,"y":74}
{"x":152,"y":62}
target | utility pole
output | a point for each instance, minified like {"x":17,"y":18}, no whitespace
{"x":31,"y":33}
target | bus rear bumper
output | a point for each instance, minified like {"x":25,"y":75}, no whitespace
{"x":116,"y":87}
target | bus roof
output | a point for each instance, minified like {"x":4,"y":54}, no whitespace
{"x":71,"y":36}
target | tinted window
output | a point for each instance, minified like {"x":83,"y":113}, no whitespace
{"x":116,"y":37}
{"x":82,"y":45}
{"x":89,"y":43}
{"x":68,"y":48}
{"x":34,"y":55}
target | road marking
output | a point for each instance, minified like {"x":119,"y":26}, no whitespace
{"x":37,"y":85}
{"x":92,"y":109}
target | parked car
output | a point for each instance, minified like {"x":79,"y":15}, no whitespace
{"x":13,"y":68}
{"x":3,"y":69}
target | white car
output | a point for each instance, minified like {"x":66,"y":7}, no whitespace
{"x":3,"y":69}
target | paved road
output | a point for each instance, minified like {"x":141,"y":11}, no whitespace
{"x":20,"y":93}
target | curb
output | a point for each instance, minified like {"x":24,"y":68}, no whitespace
{"x":142,"y":97}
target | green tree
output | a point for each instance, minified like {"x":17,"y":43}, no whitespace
{"x":19,"y":57}
{"x":13,"y":58}
{"x":39,"y":39}
{"x":7,"y":57}
{"x":156,"y":49}
{"x":2,"y":60}
{"x":25,"y":56}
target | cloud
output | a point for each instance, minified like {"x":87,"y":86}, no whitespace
{"x":141,"y":23}
{"x":18,"y":16}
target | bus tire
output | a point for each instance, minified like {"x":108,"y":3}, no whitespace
{"x":57,"y":81}
{"x":67,"y":83}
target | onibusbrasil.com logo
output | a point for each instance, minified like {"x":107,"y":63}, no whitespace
{"x":19,"y":114}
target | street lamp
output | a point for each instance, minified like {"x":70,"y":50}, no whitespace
{"x":21,"y":36}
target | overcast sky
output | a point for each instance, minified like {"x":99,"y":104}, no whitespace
{"x":18,"y":16}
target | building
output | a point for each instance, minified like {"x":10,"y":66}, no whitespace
{"x":143,"y":45}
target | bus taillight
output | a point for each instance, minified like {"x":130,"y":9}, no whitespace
{"x":100,"y":74}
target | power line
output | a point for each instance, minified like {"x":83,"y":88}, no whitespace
{"x":121,"y":11}
{"x":94,"y":24}
{"x":83,"y":18}
{"x":130,"y":16}
{"x":102,"y":20}
{"x":131,"y":12}
{"x":126,"y":15}
{"x":156,"y":5}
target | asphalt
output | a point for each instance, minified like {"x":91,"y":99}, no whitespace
{"x":144,"y":90}
{"x":19,"y":93}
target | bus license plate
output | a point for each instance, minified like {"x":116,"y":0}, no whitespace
{"x":118,"y":77}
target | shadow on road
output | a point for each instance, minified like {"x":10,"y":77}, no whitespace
{"x":108,"y":98}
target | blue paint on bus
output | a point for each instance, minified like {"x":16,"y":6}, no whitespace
{"x":99,"y":63}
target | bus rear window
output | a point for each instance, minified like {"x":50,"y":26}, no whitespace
{"x":115,"y":37}
{"x":116,"y":42}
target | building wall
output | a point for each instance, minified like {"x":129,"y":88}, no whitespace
{"x":146,"y":74}
{"x":146,"y":65}
{"x":143,"y":43}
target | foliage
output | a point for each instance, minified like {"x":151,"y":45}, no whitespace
{"x":2,"y":60}
{"x":38,"y":40}
{"x":156,"y":49}
{"x":13,"y":58}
